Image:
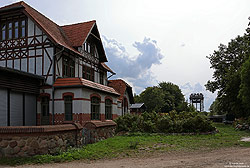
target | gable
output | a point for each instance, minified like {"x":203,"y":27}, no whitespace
{"x":80,"y":33}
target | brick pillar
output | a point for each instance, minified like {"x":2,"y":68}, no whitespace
{"x":102,"y":117}
{"x":114,"y":116}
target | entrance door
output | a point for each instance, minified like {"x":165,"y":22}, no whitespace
{"x":45,"y":111}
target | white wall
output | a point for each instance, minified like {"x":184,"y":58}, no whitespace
{"x":79,"y":106}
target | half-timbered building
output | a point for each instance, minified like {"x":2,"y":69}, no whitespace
{"x":50,"y":74}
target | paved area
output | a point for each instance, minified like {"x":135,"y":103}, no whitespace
{"x":233,"y":157}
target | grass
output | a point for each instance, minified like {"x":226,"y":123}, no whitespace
{"x":138,"y":143}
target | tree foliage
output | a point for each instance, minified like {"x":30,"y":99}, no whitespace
{"x":163,"y":98}
{"x":230,"y":73}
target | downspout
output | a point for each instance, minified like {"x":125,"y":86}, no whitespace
{"x":53,"y":81}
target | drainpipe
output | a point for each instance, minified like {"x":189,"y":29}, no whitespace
{"x":53,"y":81}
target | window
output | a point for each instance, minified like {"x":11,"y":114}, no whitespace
{"x":10,"y":31}
{"x":13,"y":29}
{"x":95,"y":108}
{"x":101,"y":78}
{"x":88,"y":73}
{"x":23,"y":28}
{"x":45,"y":106}
{"x":16,"y":29}
{"x":125,"y":106}
{"x":68,"y":67}
{"x":108,"y":109}
{"x":68,"y":108}
{"x":3,"y":31}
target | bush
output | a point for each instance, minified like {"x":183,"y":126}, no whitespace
{"x":172,"y":122}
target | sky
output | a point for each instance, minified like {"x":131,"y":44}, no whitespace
{"x":149,"y":41}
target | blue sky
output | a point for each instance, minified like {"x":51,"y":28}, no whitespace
{"x":150,"y":41}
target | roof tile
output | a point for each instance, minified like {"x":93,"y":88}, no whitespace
{"x":80,"y":82}
{"x":77,"y":33}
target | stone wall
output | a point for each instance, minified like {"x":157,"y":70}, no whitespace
{"x":33,"y":140}
{"x":95,"y":131}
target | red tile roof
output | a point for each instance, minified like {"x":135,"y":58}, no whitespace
{"x":80,"y":82}
{"x":53,"y":30}
{"x":107,"y":68}
{"x":77,"y":33}
{"x":121,"y":87}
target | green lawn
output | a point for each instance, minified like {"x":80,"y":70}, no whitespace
{"x":138,"y":144}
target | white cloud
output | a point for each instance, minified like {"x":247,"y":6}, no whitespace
{"x":137,"y":71}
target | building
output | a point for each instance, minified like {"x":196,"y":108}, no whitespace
{"x":126,"y":95}
{"x":50,"y":74}
{"x":138,"y":108}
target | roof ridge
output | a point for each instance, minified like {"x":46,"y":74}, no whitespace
{"x":12,"y":4}
{"x":25,"y":4}
{"x":78,"y":23}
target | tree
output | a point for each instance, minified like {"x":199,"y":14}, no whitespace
{"x":244,"y":93}
{"x":174,"y":99}
{"x":228,"y":62}
{"x":215,"y":108}
{"x":153,"y":98}
{"x":163,"y":98}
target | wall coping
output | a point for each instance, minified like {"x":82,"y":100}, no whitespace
{"x":97,"y":124}
{"x":38,"y":129}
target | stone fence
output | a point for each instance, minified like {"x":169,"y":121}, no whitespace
{"x":33,"y":140}
{"x":94,"y":131}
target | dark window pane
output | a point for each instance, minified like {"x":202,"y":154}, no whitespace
{"x":3,"y":34}
{"x":23,"y":31}
{"x":10,"y":31}
{"x":16,"y":32}
{"x":45,"y":106}
{"x":108,"y":109}
{"x":16,"y":29}
{"x":95,"y":108}
{"x":68,"y":108}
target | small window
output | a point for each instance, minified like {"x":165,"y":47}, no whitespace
{"x":10,"y":31}
{"x":95,"y":108}
{"x":88,"y":48}
{"x":101,"y":78}
{"x":85,"y":47}
{"x":108,"y":109}
{"x":45,"y":106}
{"x":3,"y":31}
{"x":68,"y":108}
{"x":68,"y":67}
{"x":16,"y":29}
{"x":125,"y":106}
{"x":88,"y":73}
{"x":23,"y":28}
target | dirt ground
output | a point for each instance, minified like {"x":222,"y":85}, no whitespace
{"x":233,"y":157}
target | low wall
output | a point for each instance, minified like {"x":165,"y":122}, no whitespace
{"x":33,"y":140}
{"x":95,"y":131}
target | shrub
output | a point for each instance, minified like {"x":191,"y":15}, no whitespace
{"x":172,"y":122}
